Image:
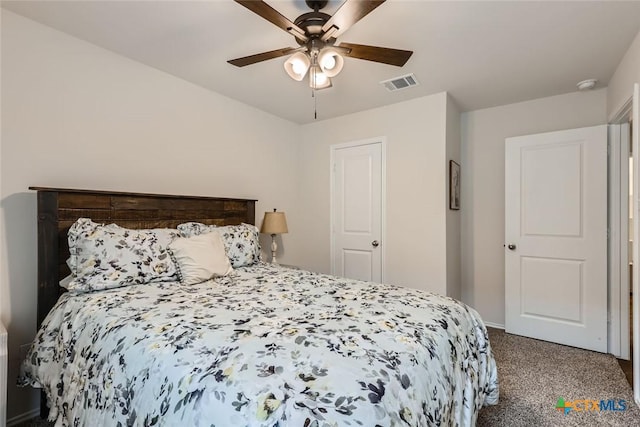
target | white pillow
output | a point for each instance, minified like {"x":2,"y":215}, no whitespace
{"x":200,"y":258}
{"x":241,"y":242}
{"x":64,"y":283}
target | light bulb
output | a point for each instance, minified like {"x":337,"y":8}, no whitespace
{"x":298,"y":66}
{"x":321,"y":79}
{"x":328,"y":62}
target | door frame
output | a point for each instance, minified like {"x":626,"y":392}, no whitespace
{"x":635,"y":141}
{"x":382,"y":140}
{"x":618,"y":223}
{"x":630,"y":110}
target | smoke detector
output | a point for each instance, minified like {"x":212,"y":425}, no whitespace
{"x":587,"y":84}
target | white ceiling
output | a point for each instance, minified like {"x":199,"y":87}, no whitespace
{"x":483,"y":53}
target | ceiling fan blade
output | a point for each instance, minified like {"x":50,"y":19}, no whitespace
{"x":349,"y":13}
{"x":384,"y":55}
{"x":270,"y":14}
{"x":259,"y":57}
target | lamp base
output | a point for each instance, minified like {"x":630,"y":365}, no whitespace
{"x":274,"y":249}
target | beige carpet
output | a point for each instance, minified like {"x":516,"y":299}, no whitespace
{"x":534,"y":374}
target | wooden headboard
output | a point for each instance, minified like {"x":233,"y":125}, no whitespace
{"x":59,"y":208}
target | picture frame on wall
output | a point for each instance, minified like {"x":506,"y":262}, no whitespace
{"x":454,"y":185}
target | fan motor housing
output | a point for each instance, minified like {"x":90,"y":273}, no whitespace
{"x":316,"y":4}
{"x":311,"y":23}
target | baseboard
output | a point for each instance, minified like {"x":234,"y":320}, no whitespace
{"x":23,"y":417}
{"x":494,"y":325}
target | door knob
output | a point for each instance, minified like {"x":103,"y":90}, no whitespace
{"x":511,"y":247}
{"x":375,"y":243}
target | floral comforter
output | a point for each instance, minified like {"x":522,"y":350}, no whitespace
{"x":266,"y":346}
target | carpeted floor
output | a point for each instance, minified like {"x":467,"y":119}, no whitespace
{"x":534,"y":374}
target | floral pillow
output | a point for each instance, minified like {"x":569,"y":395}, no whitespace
{"x":110,"y":256}
{"x":190,"y":229}
{"x":241,"y":242}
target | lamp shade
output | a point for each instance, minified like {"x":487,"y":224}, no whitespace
{"x":297,"y":66}
{"x":330,"y":61}
{"x":318,"y":79}
{"x":274,"y":223}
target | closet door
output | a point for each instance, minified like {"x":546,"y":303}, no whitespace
{"x":357,"y":199}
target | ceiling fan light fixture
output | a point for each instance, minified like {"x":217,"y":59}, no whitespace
{"x":297,"y":66}
{"x":330,"y":61}
{"x":316,"y":33}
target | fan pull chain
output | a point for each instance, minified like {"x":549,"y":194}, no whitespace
{"x":313,"y":93}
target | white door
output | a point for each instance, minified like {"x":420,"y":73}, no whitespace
{"x":357,"y":199}
{"x":556,"y":237}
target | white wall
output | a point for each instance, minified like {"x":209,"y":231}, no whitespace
{"x":454,"y":274}
{"x":483,"y":135}
{"x":77,"y":116}
{"x":415,"y":244}
{"x":627,"y":73}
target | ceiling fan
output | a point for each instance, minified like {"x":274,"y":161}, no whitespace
{"x":316,"y":34}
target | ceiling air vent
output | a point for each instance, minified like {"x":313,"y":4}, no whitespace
{"x":401,"y":82}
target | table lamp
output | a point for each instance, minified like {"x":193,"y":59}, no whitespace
{"x":274,"y":223}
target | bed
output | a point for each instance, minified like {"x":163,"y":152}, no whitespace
{"x":261,"y":346}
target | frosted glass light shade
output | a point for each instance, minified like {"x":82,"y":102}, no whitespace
{"x":318,"y":79}
{"x":297,"y":66}
{"x":330,"y":61}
